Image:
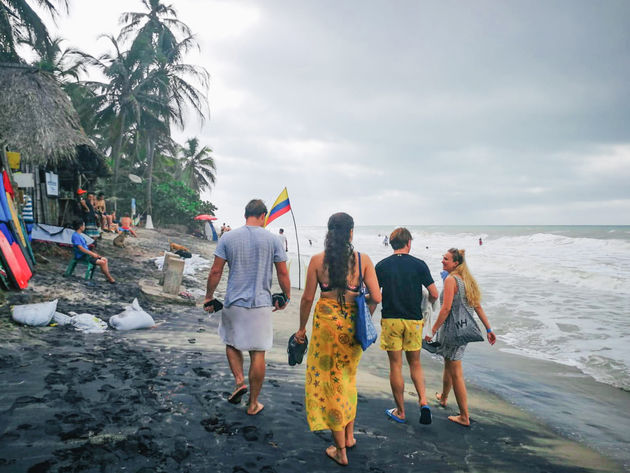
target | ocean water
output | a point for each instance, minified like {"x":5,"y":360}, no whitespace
{"x":558,"y":298}
{"x":556,"y":293}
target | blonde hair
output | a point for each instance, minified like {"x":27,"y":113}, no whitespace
{"x":473,"y":294}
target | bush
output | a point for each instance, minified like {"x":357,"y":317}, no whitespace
{"x":174,"y":202}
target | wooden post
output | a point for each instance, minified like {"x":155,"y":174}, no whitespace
{"x":38,"y":203}
{"x":42,"y":190}
{"x":168,"y":257}
{"x":174,"y":275}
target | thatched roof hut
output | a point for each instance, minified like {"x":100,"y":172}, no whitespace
{"x":38,"y":120}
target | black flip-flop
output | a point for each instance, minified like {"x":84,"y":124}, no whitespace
{"x":235,"y":397}
{"x":296,"y":350}
{"x":425,"y":415}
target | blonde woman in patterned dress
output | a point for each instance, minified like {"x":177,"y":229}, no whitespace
{"x":333,"y":353}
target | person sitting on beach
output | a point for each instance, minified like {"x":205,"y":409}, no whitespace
{"x":126,"y":225}
{"x":82,"y":251}
{"x":246,"y":319}
{"x":334,"y":354}
{"x":401,"y":277}
{"x":106,"y":218}
{"x":459,"y":282}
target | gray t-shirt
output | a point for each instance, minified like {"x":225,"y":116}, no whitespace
{"x":250,"y":253}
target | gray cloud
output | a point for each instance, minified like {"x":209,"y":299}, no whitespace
{"x":418,"y":112}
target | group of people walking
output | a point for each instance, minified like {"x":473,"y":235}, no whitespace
{"x":333,"y":352}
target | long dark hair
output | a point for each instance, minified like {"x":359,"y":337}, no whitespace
{"x":338,"y":252}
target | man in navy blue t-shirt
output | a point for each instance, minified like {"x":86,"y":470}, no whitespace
{"x":401,"y":277}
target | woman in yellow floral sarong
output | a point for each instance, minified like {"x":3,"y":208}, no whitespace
{"x":333,"y":353}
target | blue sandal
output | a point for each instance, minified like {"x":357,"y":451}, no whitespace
{"x":391,"y":415}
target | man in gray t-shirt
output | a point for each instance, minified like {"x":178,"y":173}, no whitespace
{"x":251,"y":252}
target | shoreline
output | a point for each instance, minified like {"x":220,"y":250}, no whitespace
{"x":157,"y":398}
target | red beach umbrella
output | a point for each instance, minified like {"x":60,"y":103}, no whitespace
{"x":205,"y":217}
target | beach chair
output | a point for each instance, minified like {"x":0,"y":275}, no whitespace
{"x":89,"y":272}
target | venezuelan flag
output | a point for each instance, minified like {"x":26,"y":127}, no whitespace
{"x":279,"y":207}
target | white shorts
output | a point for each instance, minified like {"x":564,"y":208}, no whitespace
{"x":247,"y":328}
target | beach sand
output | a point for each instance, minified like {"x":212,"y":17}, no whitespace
{"x":155,"y":400}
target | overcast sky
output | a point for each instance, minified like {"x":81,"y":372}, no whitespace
{"x":409,"y":112}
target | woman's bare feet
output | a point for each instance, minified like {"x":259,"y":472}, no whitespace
{"x":441,"y":399}
{"x":459,"y":419}
{"x":255,"y":409}
{"x":338,"y":455}
{"x":351,"y":443}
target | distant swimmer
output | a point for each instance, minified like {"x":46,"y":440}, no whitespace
{"x":310,"y":242}
{"x":385,"y":241}
{"x":480,"y":241}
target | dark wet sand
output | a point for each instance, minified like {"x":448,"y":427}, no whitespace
{"x":155,"y":400}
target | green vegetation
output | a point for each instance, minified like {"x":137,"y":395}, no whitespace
{"x":147,"y":89}
{"x":20,"y":24}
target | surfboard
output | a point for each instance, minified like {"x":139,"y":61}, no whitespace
{"x":12,"y":266}
{"x":21,"y":233}
{"x":29,"y":247}
{"x":7,"y":215}
{"x":21,"y":259}
{"x":16,"y":220}
{"x":20,"y":265}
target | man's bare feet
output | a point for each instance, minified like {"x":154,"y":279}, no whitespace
{"x":438,"y":396}
{"x":460,"y":420}
{"x":351,"y":443}
{"x":337,"y":455}
{"x":255,"y":409}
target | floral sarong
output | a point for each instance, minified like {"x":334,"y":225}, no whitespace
{"x":331,"y":367}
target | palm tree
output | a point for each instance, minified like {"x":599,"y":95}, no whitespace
{"x":20,"y":24}
{"x":122,"y":100}
{"x":198,"y":168}
{"x":157,"y":44}
{"x":65,"y":65}
{"x":158,"y":20}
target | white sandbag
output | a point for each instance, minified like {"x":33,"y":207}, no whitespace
{"x":132,"y":318}
{"x":88,"y":323}
{"x":37,"y":315}
{"x":191,"y":265}
{"x":62,"y":319}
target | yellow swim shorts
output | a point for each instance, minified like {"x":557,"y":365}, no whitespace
{"x":401,"y":334}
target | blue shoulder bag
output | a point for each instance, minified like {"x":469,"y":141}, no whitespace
{"x":365,"y":332}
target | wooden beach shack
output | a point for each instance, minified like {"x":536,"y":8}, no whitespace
{"x":38,"y":121}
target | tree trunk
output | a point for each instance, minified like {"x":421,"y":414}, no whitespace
{"x":150,"y":153}
{"x":116,"y":154}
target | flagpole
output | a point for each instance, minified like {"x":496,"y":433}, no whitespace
{"x":297,"y":241}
